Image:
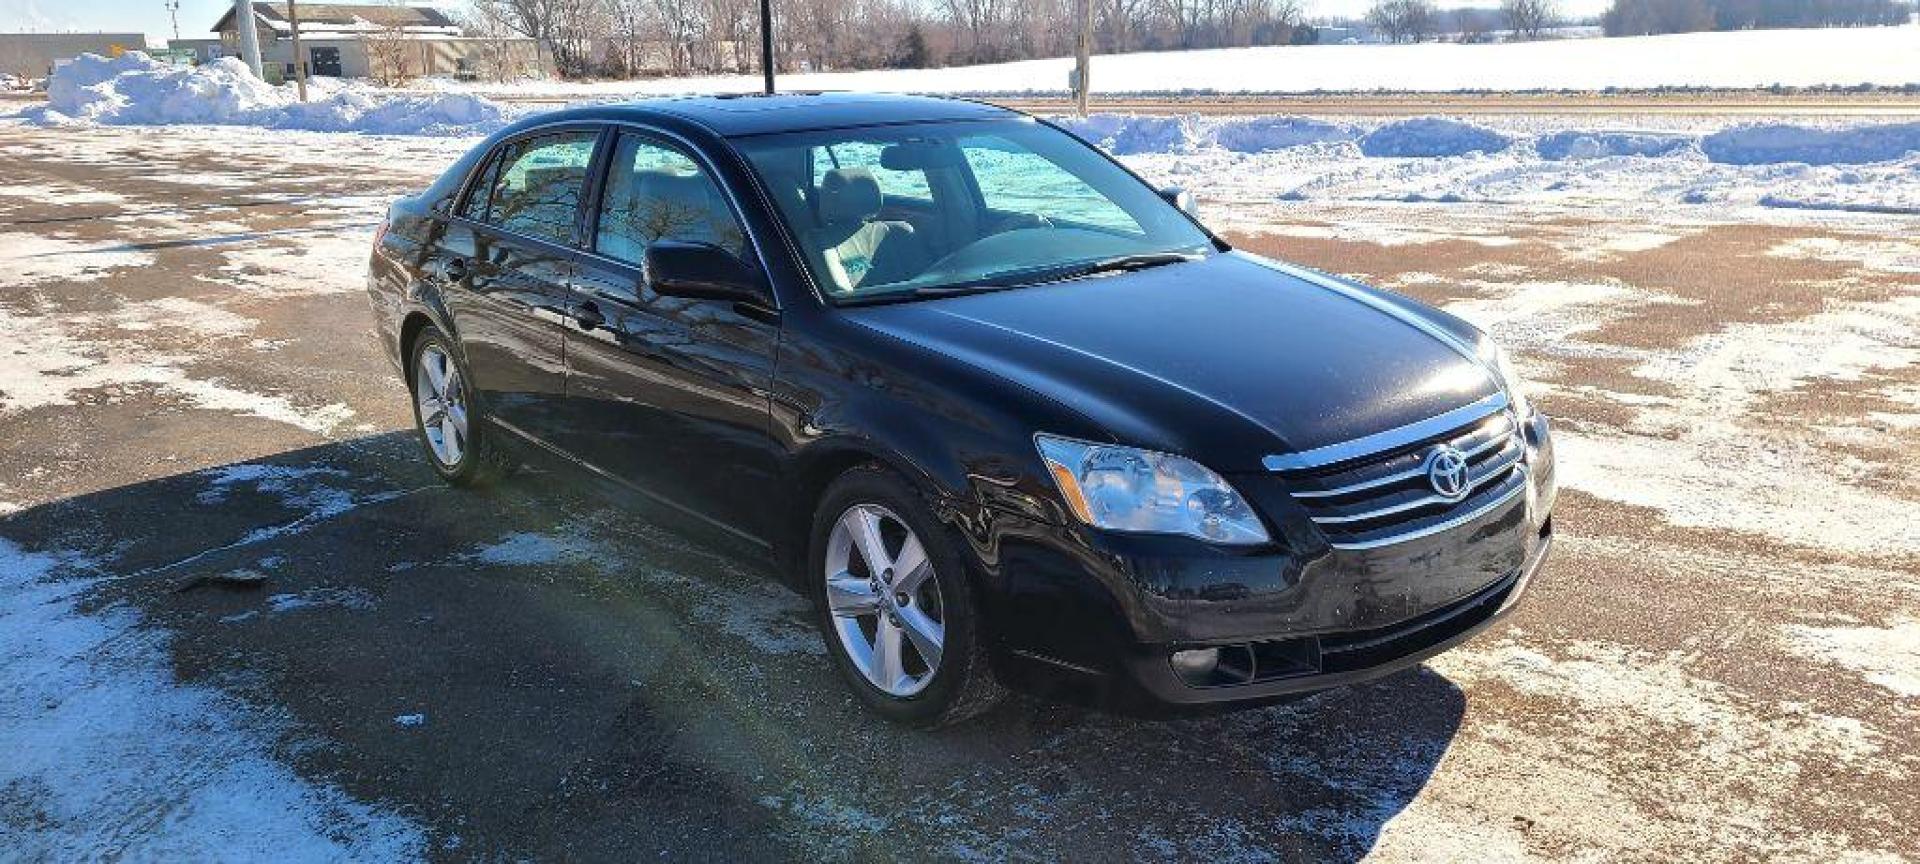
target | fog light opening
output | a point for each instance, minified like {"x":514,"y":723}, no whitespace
{"x":1213,"y":667}
{"x":1196,"y":666}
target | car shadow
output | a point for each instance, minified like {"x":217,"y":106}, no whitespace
{"x":531,"y":672}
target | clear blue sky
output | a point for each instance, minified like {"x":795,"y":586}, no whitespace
{"x":196,"y":16}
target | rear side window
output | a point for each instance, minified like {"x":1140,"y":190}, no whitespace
{"x":534,"y":185}
{"x":475,"y":207}
{"x":655,"y":192}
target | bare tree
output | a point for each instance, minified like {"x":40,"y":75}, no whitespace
{"x":1186,"y":18}
{"x":1121,"y":18}
{"x":1403,"y":20}
{"x":564,"y":27}
{"x":980,"y":24}
{"x":494,"y":55}
{"x":389,"y":50}
{"x":1527,"y":18}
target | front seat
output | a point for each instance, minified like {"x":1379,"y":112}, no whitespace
{"x":858,"y":249}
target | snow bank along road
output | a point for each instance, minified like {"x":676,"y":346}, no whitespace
{"x":239,"y":619}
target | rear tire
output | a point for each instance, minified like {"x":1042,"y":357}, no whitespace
{"x":908,"y":639}
{"x":458,"y":444}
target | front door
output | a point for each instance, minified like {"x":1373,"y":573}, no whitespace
{"x":670,"y":393}
{"x":507,"y":262}
{"x":326,"y":61}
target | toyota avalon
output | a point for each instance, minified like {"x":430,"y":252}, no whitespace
{"x":1007,"y":414}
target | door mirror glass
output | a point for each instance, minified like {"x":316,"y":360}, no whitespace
{"x":1182,"y":199}
{"x":676,"y":268}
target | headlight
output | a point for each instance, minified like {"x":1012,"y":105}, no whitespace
{"x":1124,"y":489}
{"x":1510,"y":379}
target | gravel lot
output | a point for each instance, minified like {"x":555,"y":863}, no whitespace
{"x":239,"y":618}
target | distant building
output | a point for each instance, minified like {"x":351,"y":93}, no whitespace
{"x":1335,"y":34}
{"x":33,"y":55}
{"x":360,"y":41}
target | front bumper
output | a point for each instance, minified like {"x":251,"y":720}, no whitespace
{"x":1305,"y":664}
{"x":1105,"y":612}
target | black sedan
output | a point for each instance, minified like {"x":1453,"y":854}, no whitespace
{"x":1007,"y":414}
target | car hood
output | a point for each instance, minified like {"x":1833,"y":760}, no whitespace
{"x":1227,"y":359}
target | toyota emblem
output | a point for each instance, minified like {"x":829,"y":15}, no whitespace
{"x":1447,"y":472}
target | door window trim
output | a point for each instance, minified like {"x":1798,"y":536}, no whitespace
{"x":590,"y":227}
{"x":499,"y":150}
{"x":596,"y":177}
{"x":755,"y":257}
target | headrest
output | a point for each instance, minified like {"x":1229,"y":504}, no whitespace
{"x":848,"y":196}
{"x":690,"y":191}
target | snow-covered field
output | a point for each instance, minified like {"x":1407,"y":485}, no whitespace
{"x":1878,"y":56}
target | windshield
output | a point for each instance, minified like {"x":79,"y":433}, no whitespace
{"x":937,"y":208}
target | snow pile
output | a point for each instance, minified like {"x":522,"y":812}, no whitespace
{"x":360,"y":111}
{"x":1129,"y":134}
{"x":1267,"y":134}
{"x":1436,"y":137}
{"x":133,"y":89}
{"x":1559,"y":146}
{"x":1430,"y":137}
{"x":1779,"y":143}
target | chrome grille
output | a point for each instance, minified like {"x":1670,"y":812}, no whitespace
{"x":1386,"y":497}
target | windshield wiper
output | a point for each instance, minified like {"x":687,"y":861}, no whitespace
{"x":974,"y":288}
{"x":1115,"y":264}
{"x":905,"y":294}
{"x":1126,"y":264}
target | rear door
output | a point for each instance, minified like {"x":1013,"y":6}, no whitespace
{"x":670,"y":393}
{"x":507,"y":259}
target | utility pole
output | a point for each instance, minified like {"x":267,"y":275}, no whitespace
{"x":249,"y":36}
{"x":299,"y":58}
{"x":766,"y":42}
{"x":1083,"y":62}
{"x":173,"y":9}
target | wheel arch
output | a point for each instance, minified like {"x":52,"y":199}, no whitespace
{"x":411,"y":327}
{"x":817,"y":467}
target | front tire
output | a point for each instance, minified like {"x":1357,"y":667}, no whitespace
{"x":458,"y":445}
{"x":894,"y":603}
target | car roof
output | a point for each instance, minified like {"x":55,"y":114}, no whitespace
{"x":760,"y":114}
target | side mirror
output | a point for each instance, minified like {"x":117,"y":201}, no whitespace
{"x":703,"y":271}
{"x":1182,"y":199}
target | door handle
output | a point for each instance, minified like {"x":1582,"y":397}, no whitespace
{"x":454,"y":270}
{"x":588,"y":316}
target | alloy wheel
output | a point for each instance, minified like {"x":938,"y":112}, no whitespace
{"x":885,"y":601}
{"x":442,"y":405}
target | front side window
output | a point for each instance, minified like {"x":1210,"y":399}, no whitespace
{"x":1048,"y":207}
{"x":535,"y":184}
{"x":655,"y":192}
